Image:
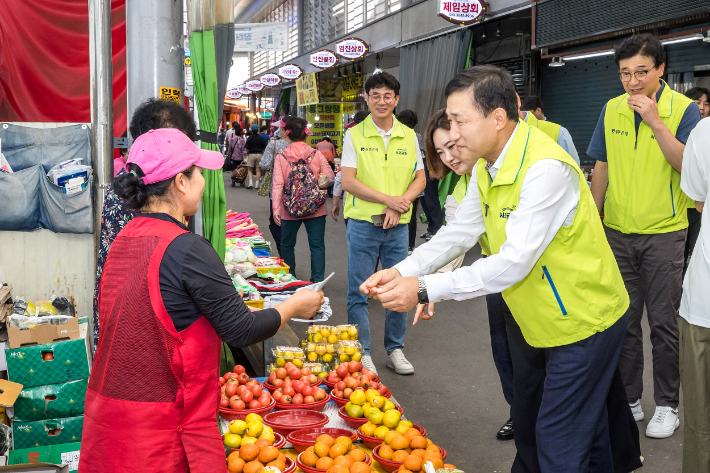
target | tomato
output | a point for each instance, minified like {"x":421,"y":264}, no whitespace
{"x":239,"y":369}
{"x":255,"y":390}
{"x":309,"y":400}
{"x":232,"y":380}
{"x":254,"y":404}
{"x":272,"y":377}
{"x":264,"y":399}
{"x":341,"y":386}
{"x":347,"y":393}
{"x":278,"y":382}
{"x":351,"y":383}
{"x":243,"y":378}
{"x":297,"y":386}
{"x":285,"y":399}
{"x":307,"y":391}
{"x":305,"y":372}
{"x":287,"y":382}
{"x":237,"y":405}
{"x":374,"y":384}
{"x":281,"y":373}
{"x":314,"y":379}
{"x":246,"y":396}
{"x":231,"y":389}
{"x":382,"y":389}
{"x":224,"y":403}
{"x":332,"y":379}
{"x":240,"y":390}
{"x":295,"y":374}
{"x":226,"y":376}
{"x":319,"y":394}
{"x":354,"y":366}
{"x":289,"y":366}
{"x":277,"y":395}
{"x":342,"y":370}
{"x":222,"y":382}
{"x":289,"y":391}
{"x":298,"y":398}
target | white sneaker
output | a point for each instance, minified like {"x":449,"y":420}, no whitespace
{"x":637,"y":411}
{"x":399,"y":363}
{"x":663,"y":424}
{"x":257,"y":184}
{"x":366,"y":361}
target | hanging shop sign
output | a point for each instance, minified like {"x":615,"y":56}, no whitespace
{"x":270,"y":80}
{"x":307,"y":89}
{"x":255,"y":85}
{"x":234,"y":94}
{"x":243,"y":89}
{"x":290,"y":71}
{"x":352,"y":88}
{"x":351,"y":48}
{"x":329,"y":123}
{"x":324,"y":59}
{"x":462,"y":12}
{"x":261,"y":37}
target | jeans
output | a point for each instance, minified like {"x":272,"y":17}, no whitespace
{"x":315,"y":228}
{"x":365,"y":244}
{"x":499,"y":346}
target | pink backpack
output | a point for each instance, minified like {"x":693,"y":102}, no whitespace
{"x":302,"y":196}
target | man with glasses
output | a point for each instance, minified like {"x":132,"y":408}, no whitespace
{"x":638,"y":144}
{"x":382,"y":172}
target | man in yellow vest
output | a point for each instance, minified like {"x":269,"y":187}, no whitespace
{"x":382,"y":172}
{"x":531,"y":111}
{"x":638,"y":144}
{"x":549,"y":258}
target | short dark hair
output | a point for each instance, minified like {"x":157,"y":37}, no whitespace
{"x":295,"y":128}
{"x":359,"y":116}
{"x":433,"y":161}
{"x":490,"y":87}
{"x":531,"y":103}
{"x":327,"y":138}
{"x":383,"y":79}
{"x":264,"y":128}
{"x":641,"y":45}
{"x":235,"y":124}
{"x":696,"y":93}
{"x":408,"y":118}
{"x":131,"y":188}
{"x":153,"y":114}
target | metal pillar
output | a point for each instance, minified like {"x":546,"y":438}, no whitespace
{"x":154,"y":49}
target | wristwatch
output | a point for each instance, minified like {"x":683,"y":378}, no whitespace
{"x":422,"y":294}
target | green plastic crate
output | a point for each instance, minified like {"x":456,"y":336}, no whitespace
{"x":25,"y":364}
{"x":51,"y":401}
{"x":63,"y":454}
{"x":46,"y":432}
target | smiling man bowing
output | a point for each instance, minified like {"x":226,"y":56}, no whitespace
{"x":549,"y":258}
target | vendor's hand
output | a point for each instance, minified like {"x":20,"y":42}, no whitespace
{"x":646,"y":107}
{"x":277,"y":219}
{"x":400,"y":295}
{"x":424,"y":311}
{"x":307,"y":302}
{"x":380,"y":278}
{"x":335,"y":211}
{"x":391,"y":219}
{"x":398,"y":203}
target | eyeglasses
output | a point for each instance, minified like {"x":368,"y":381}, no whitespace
{"x":387,"y":99}
{"x":639,"y":75}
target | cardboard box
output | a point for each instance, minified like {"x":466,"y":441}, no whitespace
{"x":46,"y":432}
{"x":44,"y":334}
{"x":64,"y":454}
{"x":35,"y":468}
{"x":26,"y":366}
{"x":51,"y":401}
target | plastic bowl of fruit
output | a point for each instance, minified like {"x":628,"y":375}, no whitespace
{"x":372,"y":441}
{"x":241,"y":414}
{"x":389,"y":465}
{"x":311,"y":406}
{"x":302,"y":439}
{"x":272,"y":388}
{"x":285,"y":422}
{"x":356,"y":422}
{"x":312,"y":469}
{"x":279,"y":442}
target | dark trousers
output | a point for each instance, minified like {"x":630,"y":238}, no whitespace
{"x":571,"y":413}
{"x":274,"y":229}
{"x":499,"y":346}
{"x":413,"y":225}
{"x":315,"y":228}
{"x":431,"y":205}
{"x":652,"y":268}
{"x":694,"y":218}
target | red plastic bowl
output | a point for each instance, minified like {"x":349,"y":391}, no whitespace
{"x":372,"y":442}
{"x":356,"y":422}
{"x":285,"y":422}
{"x":273,"y":388}
{"x":390,"y":466}
{"x":279,"y":442}
{"x":302,"y":439}
{"x":342,"y":401}
{"x":311,"y":469}
{"x":314,"y":406}
{"x":232,"y":414}
{"x":290,"y":465}
{"x":325,"y":381}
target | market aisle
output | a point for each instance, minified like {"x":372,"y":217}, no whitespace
{"x":455,"y":392}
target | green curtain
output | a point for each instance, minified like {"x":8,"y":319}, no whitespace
{"x":207,"y":100}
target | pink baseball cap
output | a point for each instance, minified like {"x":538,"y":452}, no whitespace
{"x":166,"y":152}
{"x":279,"y":123}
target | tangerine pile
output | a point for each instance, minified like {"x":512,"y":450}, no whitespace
{"x":335,"y":456}
{"x":253,"y":457}
{"x":412,"y":450}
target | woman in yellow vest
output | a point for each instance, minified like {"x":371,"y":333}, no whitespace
{"x":549,"y":258}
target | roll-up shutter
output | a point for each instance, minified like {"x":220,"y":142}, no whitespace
{"x":519,"y":68}
{"x":575,"y":93}
{"x":683,"y":57}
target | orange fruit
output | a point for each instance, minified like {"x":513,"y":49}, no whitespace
{"x":345,"y":441}
{"x":261,"y":443}
{"x":282,"y":457}
{"x":233,"y":455}
{"x":417,"y":451}
{"x":343,"y":460}
{"x":449,"y":466}
{"x":337,"y":469}
{"x":235,"y":464}
{"x":434,"y":450}
{"x":359,"y":467}
{"x":278,"y":464}
{"x":249,"y":452}
{"x":357,"y":455}
{"x":385,"y":452}
{"x":399,"y":456}
{"x":322,"y":449}
{"x":413,"y":463}
{"x":402,"y":469}
{"x":268,"y":454}
{"x":418,"y":442}
{"x":309,"y":449}
{"x":252,"y":467}
{"x":309,"y":458}
{"x":326,"y":439}
{"x":429,"y":442}
{"x":324,"y":463}
{"x":337,"y":449}
{"x":410,"y":433}
{"x":435,"y":462}
{"x":399,"y":442}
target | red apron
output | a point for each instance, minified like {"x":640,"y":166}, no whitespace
{"x":153,"y":392}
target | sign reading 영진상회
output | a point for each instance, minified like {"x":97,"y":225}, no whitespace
{"x":307,"y":89}
{"x":261,"y":37}
{"x":462,"y":12}
{"x":351,"y":48}
{"x":329,"y":123}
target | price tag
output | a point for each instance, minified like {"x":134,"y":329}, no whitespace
{"x":168,"y":93}
{"x":71,"y":459}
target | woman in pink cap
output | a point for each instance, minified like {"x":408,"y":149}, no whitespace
{"x":165,"y":305}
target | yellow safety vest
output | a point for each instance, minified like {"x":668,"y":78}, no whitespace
{"x":575,"y":288}
{"x":644,"y":193}
{"x":389,"y":172}
{"x":549,"y":128}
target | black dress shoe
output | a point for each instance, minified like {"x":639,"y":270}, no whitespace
{"x":425,"y":236}
{"x":506,"y":432}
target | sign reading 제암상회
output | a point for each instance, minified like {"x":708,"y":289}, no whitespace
{"x":462,"y":12}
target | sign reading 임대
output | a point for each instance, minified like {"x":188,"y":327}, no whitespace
{"x":462,"y":12}
{"x":324,"y":59}
{"x":270,"y":80}
{"x":351,"y":48}
{"x":243,"y":89}
{"x":329,"y":123}
{"x":261,"y":37}
{"x":290,"y":71}
{"x":168,"y":93}
{"x":255,"y":85}
{"x":307,"y":89}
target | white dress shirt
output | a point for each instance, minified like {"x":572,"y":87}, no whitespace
{"x":349,"y":155}
{"x":549,"y":198}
